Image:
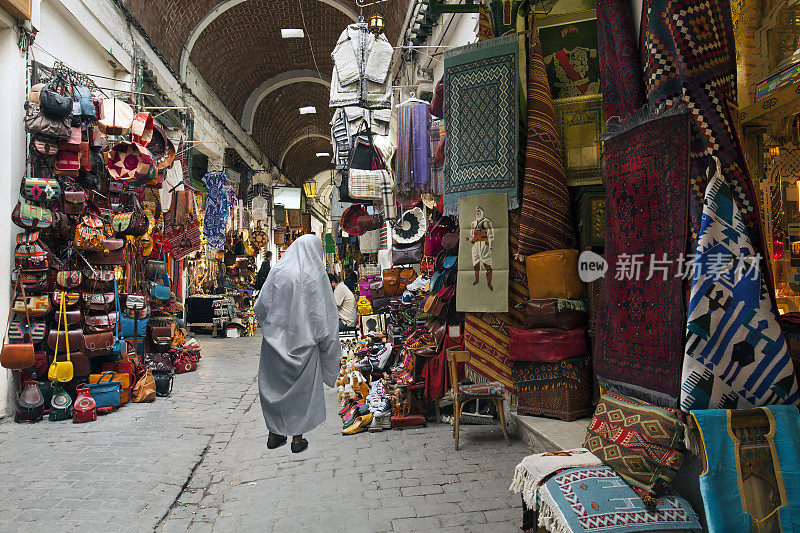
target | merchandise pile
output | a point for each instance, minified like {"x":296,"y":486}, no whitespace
{"x":94,"y":322}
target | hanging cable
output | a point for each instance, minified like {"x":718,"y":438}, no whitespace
{"x":310,"y":43}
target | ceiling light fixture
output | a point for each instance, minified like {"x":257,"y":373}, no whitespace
{"x":308,"y":110}
{"x":323,"y":154}
{"x":292,"y":33}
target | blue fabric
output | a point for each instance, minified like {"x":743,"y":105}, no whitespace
{"x":597,"y":499}
{"x":719,"y":486}
{"x":127,"y":326}
{"x":215,"y":218}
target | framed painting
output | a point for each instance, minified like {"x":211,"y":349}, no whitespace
{"x":570,"y":56}
{"x":580,"y":121}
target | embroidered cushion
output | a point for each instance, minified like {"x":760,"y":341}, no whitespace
{"x":641,"y":442}
{"x":482,"y":390}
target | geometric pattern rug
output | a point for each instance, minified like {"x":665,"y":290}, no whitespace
{"x":481,"y":111}
{"x":736,"y":355}
{"x":620,"y":69}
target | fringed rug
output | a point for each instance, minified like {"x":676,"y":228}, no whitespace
{"x":546,"y":222}
{"x":736,"y":355}
{"x":688,"y":54}
{"x":620,"y":69}
{"x":481,"y":111}
{"x":641,"y":321}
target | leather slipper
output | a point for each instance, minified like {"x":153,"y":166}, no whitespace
{"x":298,"y":447}
{"x":276,"y":443}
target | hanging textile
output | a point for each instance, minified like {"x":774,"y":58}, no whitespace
{"x":546,"y":220}
{"x":481,"y":112}
{"x":620,"y":69}
{"x":688,"y":56}
{"x":215,"y":218}
{"x":641,"y":320}
{"x":414,"y":150}
{"x":736,"y":355}
{"x":437,"y":136}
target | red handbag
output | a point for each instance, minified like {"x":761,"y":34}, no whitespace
{"x":84,"y":409}
{"x":547,"y":345}
{"x":185,"y":362}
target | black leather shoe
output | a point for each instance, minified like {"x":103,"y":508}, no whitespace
{"x":298,"y":447}
{"x":276,"y":442}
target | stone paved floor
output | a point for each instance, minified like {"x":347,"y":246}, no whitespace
{"x":197,"y":461}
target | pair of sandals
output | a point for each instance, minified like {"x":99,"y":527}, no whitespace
{"x":276,"y":441}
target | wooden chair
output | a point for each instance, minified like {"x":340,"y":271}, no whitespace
{"x":477,"y":391}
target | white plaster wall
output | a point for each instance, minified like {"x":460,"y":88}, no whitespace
{"x":12,"y":166}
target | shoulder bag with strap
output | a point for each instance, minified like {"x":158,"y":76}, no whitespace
{"x":61,"y":371}
{"x":18,"y":356}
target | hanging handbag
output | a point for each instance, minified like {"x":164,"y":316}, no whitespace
{"x":73,"y":144}
{"x":33,"y":306}
{"x":67,"y":164}
{"x":98,"y":302}
{"x":30,"y":403}
{"x":89,"y":234}
{"x":97,"y":279}
{"x":364,"y":306}
{"x":366,"y":184}
{"x":133,"y":327}
{"x":60,"y":404}
{"x":130,"y":163}
{"x":407,"y":254}
{"x":376,"y":289}
{"x":106,"y":393}
{"x":71,"y":299}
{"x":133,"y":222}
{"x":112,"y":253}
{"x":100,"y":323}
{"x":41,"y":125}
{"x":31,"y":217}
{"x":391,"y":282}
{"x":116,"y":117}
{"x":20,"y":332}
{"x":69,"y":279}
{"x":42,"y":189}
{"x":161,"y":292}
{"x":61,"y":371}
{"x":259,"y":237}
{"x":85,"y":408}
{"x":52,"y":102}
{"x":31,"y":254}
{"x":83,"y":96}
{"x":74,"y":202}
{"x":163,"y":383}
{"x":145,"y":388}
{"x":98,"y":344}
{"x":120,"y":346}
{"x":17,"y":356}
{"x":43,"y":147}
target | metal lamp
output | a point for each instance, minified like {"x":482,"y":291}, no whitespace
{"x":310,"y":188}
{"x":376,"y":24}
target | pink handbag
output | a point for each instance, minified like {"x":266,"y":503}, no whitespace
{"x":435,"y":234}
{"x":547,"y":345}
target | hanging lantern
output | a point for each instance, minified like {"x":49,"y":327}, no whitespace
{"x":376,"y":24}
{"x":310,"y":188}
{"x":774,"y":151}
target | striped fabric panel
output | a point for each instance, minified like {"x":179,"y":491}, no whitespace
{"x":545,"y":223}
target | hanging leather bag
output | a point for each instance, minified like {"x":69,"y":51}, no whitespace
{"x":17,"y":356}
{"x":42,"y":189}
{"x":74,"y":202}
{"x":61,"y":371}
{"x":89,"y":234}
{"x":60,"y":404}
{"x":31,"y":217}
{"x":52,"y":103}
{"x":55,"y":128}
{"x":391,"y":282}
{"x":407,"y":254}
{"x":112,"y":253}
{"x":132,"y":221}
{"x":31,"y":254}
{"x":97,"y":280}
{"x":560,"y":314}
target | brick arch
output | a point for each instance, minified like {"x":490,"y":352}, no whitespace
{"x":301,"y":162}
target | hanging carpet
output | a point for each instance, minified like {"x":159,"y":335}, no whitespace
{"x":481,"y":111}
{"x":620,"y":69}
{"x":736,"y":355}
{"x":641,"y":321}
{"x":546,"y":222}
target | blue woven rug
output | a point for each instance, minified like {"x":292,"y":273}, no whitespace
{"x":481,"y":113}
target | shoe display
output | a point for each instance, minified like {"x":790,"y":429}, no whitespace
{"x":360,"y":424}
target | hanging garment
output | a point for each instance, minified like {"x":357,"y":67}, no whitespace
{"x":437,"y":136}
{"x":414,"y":150}
{"x":751,"y":481}
{"x":361,"y":69}
{"x":736,"y":355}
{"x":300,"y":346}
{"x":172,"y":182}
{"x":215,"y":218}
{"x":620,"y":69}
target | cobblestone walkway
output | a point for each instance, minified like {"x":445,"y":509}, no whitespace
{"x":197,"y":461}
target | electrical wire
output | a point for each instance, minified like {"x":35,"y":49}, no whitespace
{"x":310,"y":43}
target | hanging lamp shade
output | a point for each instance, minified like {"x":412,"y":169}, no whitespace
{"x":310,"y":188}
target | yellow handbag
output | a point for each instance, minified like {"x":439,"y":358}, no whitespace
{"x":554,"y":274}
{"x":364,"y":306}
{"x":61,"y":371}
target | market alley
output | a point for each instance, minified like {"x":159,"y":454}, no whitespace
{"x":197,"y":461}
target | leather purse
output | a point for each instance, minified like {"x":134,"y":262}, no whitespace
{"x":158,"y":361}
{"x":31,"y":217}
{"x":31,"y":254}
{"x":85,"y":408}
{"x":34,"y":306}
{"x":67,"y":164}
{"x":162,"y":335}
{"x":73,"y":144}
{"x":376,"y":289}
{"x":60,"y":404}
{"x":33,"y":281}
{"x":100,"y":323}
{"x":59,"y":340}
{"x":407,"y":254}
{"x":71,"y":299}
{"x":89,"y":234}
{"x":554,"y":274}
{"x":123,"y":378}
{"x":98,"y":302}
{"x":30,"y":404}
{"x":98,"y":344}
{"x":74,"y":202}
{"x":560,"y":314}
{"x":40,"y":189}
{"x":106,"y":393}
{"x":145,"y":388}
{"x":17,"y":356}
{"x":52,"y":102}
{"x":112,"y":253}
{"x":97,"y":280}
{"x":132,"y":220}
{"x":547,"y":345}
{"x":74,"y":318}
{"x":43,"y":147}
{"x":184,"y":362}
{"x":407,"y":275}
{"x":391,"y":282}
{"x":55,"y":128}
{"x":69,"y":279}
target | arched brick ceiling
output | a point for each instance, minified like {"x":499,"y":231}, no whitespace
{"x":278,"y":120}
{"x":301,"y":162}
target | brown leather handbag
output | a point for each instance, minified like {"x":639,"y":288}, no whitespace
{"x":98,"y":344}
{"x":407,"y":275}
{"x":18,"y":356}
{"x":554,"y":274}
{"x":560,"y":314}
{"x":111,"y":253}
{"x":162,"y":335}
{"x":98,"y":302}
{"x":100,"y":323}
{"x":89,"y":234}
{"x":407,"y":254}
{"x":97,"y":280}
{"x":75,"y":341}
{"x":145,"y":388}
{"x":391,"y":282}
{"x":74,"y":202}
{"x":80,"y":362}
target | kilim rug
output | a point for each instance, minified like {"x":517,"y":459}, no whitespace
{"x":594,"y":499}
{"x":688,"y":55}
{"x":641,"y":321}
{"x":481,"y":110}
{"x":620,"y":69}
{"x":486,"y":335}
{"x":736,"y":355}
{"x":546,"y":222}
